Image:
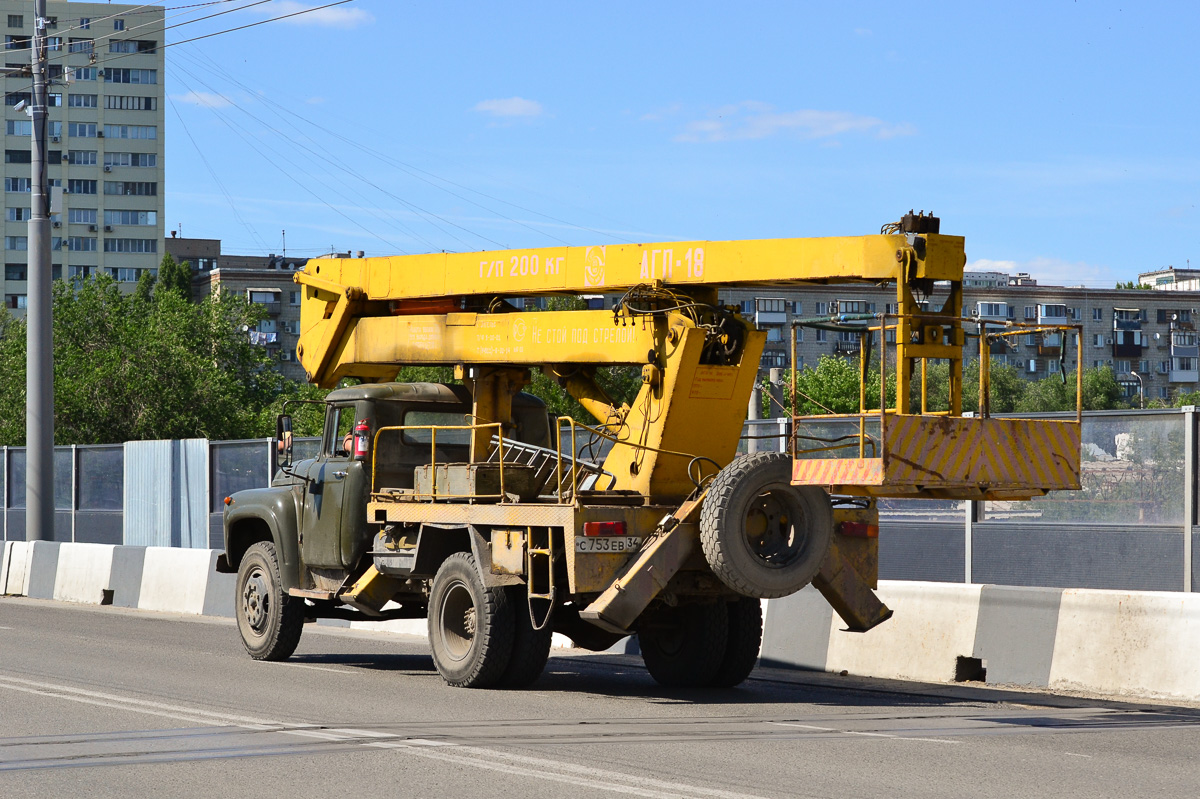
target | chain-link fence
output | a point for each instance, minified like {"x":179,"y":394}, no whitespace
{"x":1130,"y":527}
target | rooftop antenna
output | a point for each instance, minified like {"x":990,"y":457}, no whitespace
{"x":284,"y":243}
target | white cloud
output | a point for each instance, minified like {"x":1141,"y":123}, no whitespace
{"x":336,"y":17}
{"x":1054,"y":271}
{"x":510,"y":107}
{"x":751,"y":120}
{"x":202,"y":99}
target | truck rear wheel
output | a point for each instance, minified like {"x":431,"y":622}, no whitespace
{"x":762,"y":536}
{"x":683,"y":647}
{"x":531,"y":648}
{"x":471,"y":627}
{"x":742,"y":642}
{"x":269,"y":620}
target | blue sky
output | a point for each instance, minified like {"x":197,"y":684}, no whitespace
{"x":1058,"y":137}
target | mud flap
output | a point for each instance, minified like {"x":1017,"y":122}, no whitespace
{"x":849,"y":594}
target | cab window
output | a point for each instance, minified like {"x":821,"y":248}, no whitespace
{"x":335,"y":434}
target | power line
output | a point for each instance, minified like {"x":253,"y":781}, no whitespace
{"x":326,"y":157}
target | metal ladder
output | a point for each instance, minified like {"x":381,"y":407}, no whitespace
{"x":539,"y":573}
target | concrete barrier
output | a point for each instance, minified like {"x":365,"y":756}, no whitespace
{"x":1143,"y":644}
{"x":1140,"y":643}
{"x":82,"y":573}
{"x":175,"y":579}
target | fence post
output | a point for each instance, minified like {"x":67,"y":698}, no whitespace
{"x":74,"y":486}
{"x":783,"y":433}
{"x":1189,"y":490}
{"x":4,"y":491}
{"x":968,"y":534}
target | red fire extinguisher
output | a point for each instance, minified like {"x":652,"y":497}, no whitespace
{"x":362,"y":438}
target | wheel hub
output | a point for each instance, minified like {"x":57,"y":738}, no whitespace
{"x":256,"y":601}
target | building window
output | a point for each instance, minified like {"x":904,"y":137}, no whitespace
{"x":16,"y":243}
{"x":81,"y":157}
{"x":822,"y":310}
{"x":16,"y":156}
{"x":132,"y":46}
{"x":799,"y":334}
{"x":1122,"y":367}
{"x":14,"y":300}
{"x":17,"y":43}
{"x":822,"y":335}
{"x":122,"y":102}
{"x":17,"y":184}
{"x":15,"y":214}
{"x":130,"y":188}
{"x":81,"y":46}
{"x":81,"y":101}
{"x":16,"y":21}
{"x":769,"y":305}
{"x":138,"y":76}
{"x":127,"y":275}
{"x":131,"y":159}
{"x":16,"y":272}
{"x":118,"y":24}
{"x":12,"y":98}
{"x":79,"y":186}
{"x":81,"y":216}
{"x":131,"y":245}
{"x":54,"y":43}
{"x":82,"y":130}
{"x":1031,"y":312}
{"x":293,"y":298}
{"x":1097,"y":314}
{"x":1098,"y":340}
{"x":130,"y":132}
{"x":18,"y":127}
{"x":131,"y":217}
{"x":85,"y":73}
{"x":774,"y":359}
{"x":81,"y":244}
{"x":1143,"y":367}
{"x":85,"y":23}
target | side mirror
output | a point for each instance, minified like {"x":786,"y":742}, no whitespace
{"x":283,"y":433}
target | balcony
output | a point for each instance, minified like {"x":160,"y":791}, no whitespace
{"x":847,"y":347}
{"x":1183,"y":376}
{"x":765,"y":318}
{"x":272,"y":308}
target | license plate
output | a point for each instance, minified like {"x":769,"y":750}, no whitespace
{"x":617,"y":543}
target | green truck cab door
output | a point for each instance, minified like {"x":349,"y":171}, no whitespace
{"x":333,"y":526}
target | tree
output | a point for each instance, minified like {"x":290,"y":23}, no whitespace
{"x":128,"y":367}
{"x":1129,"y":284}
{"x":1101,"y":392}
{"x":175,"y":277}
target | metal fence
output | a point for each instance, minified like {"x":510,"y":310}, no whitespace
{"x":1130,"y":527}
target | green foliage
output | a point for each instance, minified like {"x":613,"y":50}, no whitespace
{"x":175,"y":277}
{"x":1129,"y":284}
{"x":128,"y":367}
{"x":1101,"y":392}
{"x":832,"y":387}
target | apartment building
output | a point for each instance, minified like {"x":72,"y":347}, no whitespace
{"x":265,"y":280}
{"x":1143,"y":334}
{"x":106,"y":143}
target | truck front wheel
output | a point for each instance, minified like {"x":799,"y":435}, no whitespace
{"x":269,"y":620}
{"x":471,"y":627}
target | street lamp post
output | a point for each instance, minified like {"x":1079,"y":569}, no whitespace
{"x":1141,"y":390}
{"x":39,"y":359}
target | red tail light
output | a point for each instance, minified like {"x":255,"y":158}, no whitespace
{"x":603,"y":528}
{"x":858,"y":530}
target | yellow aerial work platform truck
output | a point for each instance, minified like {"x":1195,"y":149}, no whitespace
{"x":466,"y":504}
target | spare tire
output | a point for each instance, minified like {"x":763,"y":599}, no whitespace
{"x":761,"y":535}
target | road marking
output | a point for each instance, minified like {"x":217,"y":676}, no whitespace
{"x":130,"y":703}
{"x":522,"y":765}
{"x":1074,"y":754}
{"x":866,"y":734}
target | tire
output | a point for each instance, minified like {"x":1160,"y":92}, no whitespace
{"x":269,"y":620}
{"x":531,"y":648}
{"x":471,"y":627}
{"x":683,"y":647}
{"x":762,"y":536}
{"x":742,"y":642}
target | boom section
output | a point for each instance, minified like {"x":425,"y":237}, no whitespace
{"x":678,"y":264}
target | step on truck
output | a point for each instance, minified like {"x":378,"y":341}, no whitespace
{"x":465,"y":503}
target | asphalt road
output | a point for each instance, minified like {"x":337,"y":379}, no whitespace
{"x":103,"y":702}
